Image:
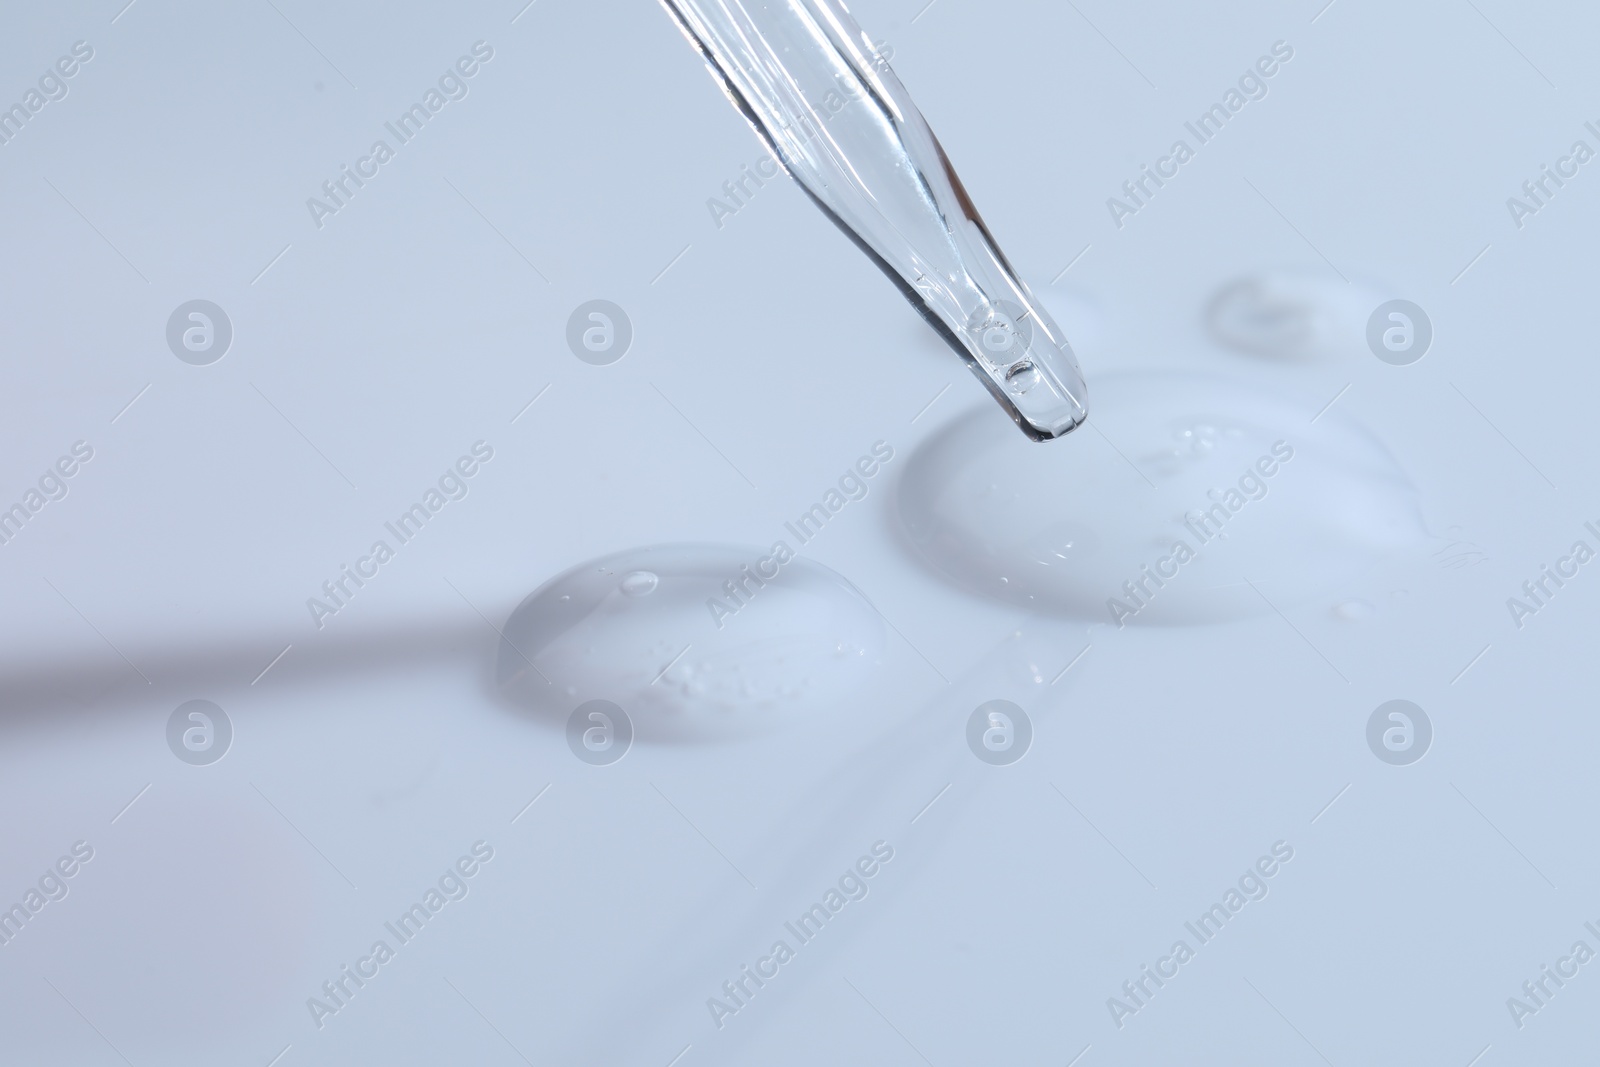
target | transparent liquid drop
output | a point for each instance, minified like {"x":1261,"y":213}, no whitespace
{"x":797,"y":646}
{"x":1062,"y":529}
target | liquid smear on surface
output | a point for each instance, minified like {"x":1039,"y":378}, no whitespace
{"x":825,"y":101}
{"x":634,"y":628}
{"x":1293,"y":315}
{"x":1062,"y":532}
{"x":1355,"y":610}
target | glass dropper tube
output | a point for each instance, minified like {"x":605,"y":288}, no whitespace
{"x":840,"y":122}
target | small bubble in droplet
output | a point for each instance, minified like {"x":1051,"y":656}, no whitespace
{"x":1022,"y":377}
{"x":639,"y":583}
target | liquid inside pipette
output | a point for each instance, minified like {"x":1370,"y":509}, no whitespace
{"x":840,"y":122}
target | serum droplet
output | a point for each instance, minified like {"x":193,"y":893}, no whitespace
{"x":658,"y":631}
{"x":1212,"y":485}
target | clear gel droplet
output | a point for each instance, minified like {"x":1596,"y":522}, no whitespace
{"x":694,"y":659}
{"x":1061,"y":530}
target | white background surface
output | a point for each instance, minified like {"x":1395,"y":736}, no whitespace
{"x":416,"y":322}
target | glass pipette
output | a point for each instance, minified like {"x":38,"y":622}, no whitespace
{"x":840,"y":122}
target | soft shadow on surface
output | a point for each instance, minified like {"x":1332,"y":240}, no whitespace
{"x":38,"y":693}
